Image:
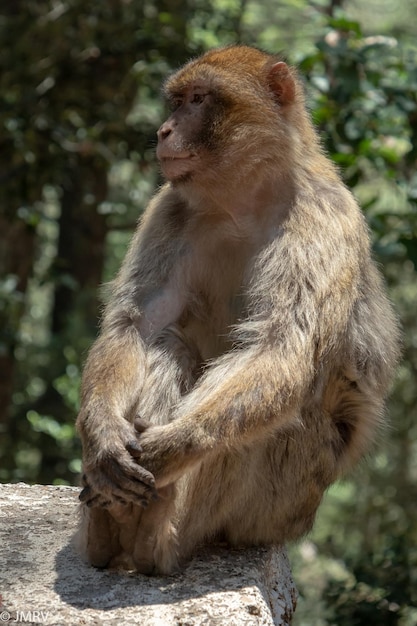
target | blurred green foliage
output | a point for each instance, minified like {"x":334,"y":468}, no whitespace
{"x":80,"y":104}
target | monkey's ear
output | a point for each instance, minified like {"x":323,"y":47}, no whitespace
{"x":282,"y":83}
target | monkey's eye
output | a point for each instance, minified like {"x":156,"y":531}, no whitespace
{"x":198,"y":98}
{"x":175,"y":102}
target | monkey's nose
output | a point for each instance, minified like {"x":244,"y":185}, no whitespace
{"x":164,"y":131}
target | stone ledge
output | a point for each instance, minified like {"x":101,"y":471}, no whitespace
{"x":43,"y":580}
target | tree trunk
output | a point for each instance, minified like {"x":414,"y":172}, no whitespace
{"x":17,"y":240}
{"x":81,"y":248}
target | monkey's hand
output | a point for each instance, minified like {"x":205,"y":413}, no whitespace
{"x":113,"y":475}
{"x":162,"y":452}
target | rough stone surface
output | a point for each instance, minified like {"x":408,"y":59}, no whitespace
{"x":44,"y":581}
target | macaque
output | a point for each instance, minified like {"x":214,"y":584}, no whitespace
{"x":247,"y":347}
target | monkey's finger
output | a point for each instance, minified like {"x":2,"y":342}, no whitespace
{"x":118,"y":480}
{"x":118,"y":496}
{"x":126,"y":479}
{"x":123,"y":500}
{"x":134,"y":448}
{"x":99,"y":500}
{"x":137,"y":473}
{"x":140,"y":424}
{"x":124,"y":497}
{"x":85,"y":494}
{"x":95,"y":501}
{"x":133,"y":489}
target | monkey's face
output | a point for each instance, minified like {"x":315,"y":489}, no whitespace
{"x":229,"y":116}
{"x":209,"y":131}
{"x":184,"y":138}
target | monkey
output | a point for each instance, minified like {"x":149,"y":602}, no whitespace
{"x":248,"y":345}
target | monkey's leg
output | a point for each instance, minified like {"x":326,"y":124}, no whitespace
{"x":127,"y":535}
{"x":264,"y":492}
{"x":155,"y":542}
{"x":107,"y":535}
{"x":107,"y":530}
{"x":97,"y":536}
{"x":173,"y":366}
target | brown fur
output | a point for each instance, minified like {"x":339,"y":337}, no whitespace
{"x":248,"y":327}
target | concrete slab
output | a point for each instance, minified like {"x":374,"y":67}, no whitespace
{"x":44,"y":581}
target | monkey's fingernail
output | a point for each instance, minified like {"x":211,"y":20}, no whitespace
{"x":134,"y":448}
{"x":151,"y":495}
{"x":140,"y":424}
{"x":84,"y":494}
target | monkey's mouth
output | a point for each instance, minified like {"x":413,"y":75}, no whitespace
{"x":164,"y":154}
{"x":173,"y":159}
{"x":177,"y":166}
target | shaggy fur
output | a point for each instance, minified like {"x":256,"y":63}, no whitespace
{"x":248,"y":328}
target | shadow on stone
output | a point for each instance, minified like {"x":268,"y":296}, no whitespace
{"x":42,"y":574}
{"x":214,"y":569}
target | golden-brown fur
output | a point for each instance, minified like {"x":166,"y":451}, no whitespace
{"x":248,"y":328}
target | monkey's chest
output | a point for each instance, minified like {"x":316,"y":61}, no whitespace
{"x":210,"y":316}
{"x":218,"y":274}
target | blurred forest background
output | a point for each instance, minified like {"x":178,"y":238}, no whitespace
{"x":80,"y":104}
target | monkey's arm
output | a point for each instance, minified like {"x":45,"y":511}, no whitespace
{"x":300,"y":309}
{"x":144,"y":300}
{"x":111,"y":383}
{"x":240,"y":398}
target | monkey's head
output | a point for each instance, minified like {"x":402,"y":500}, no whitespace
{"x":233,"y":109}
